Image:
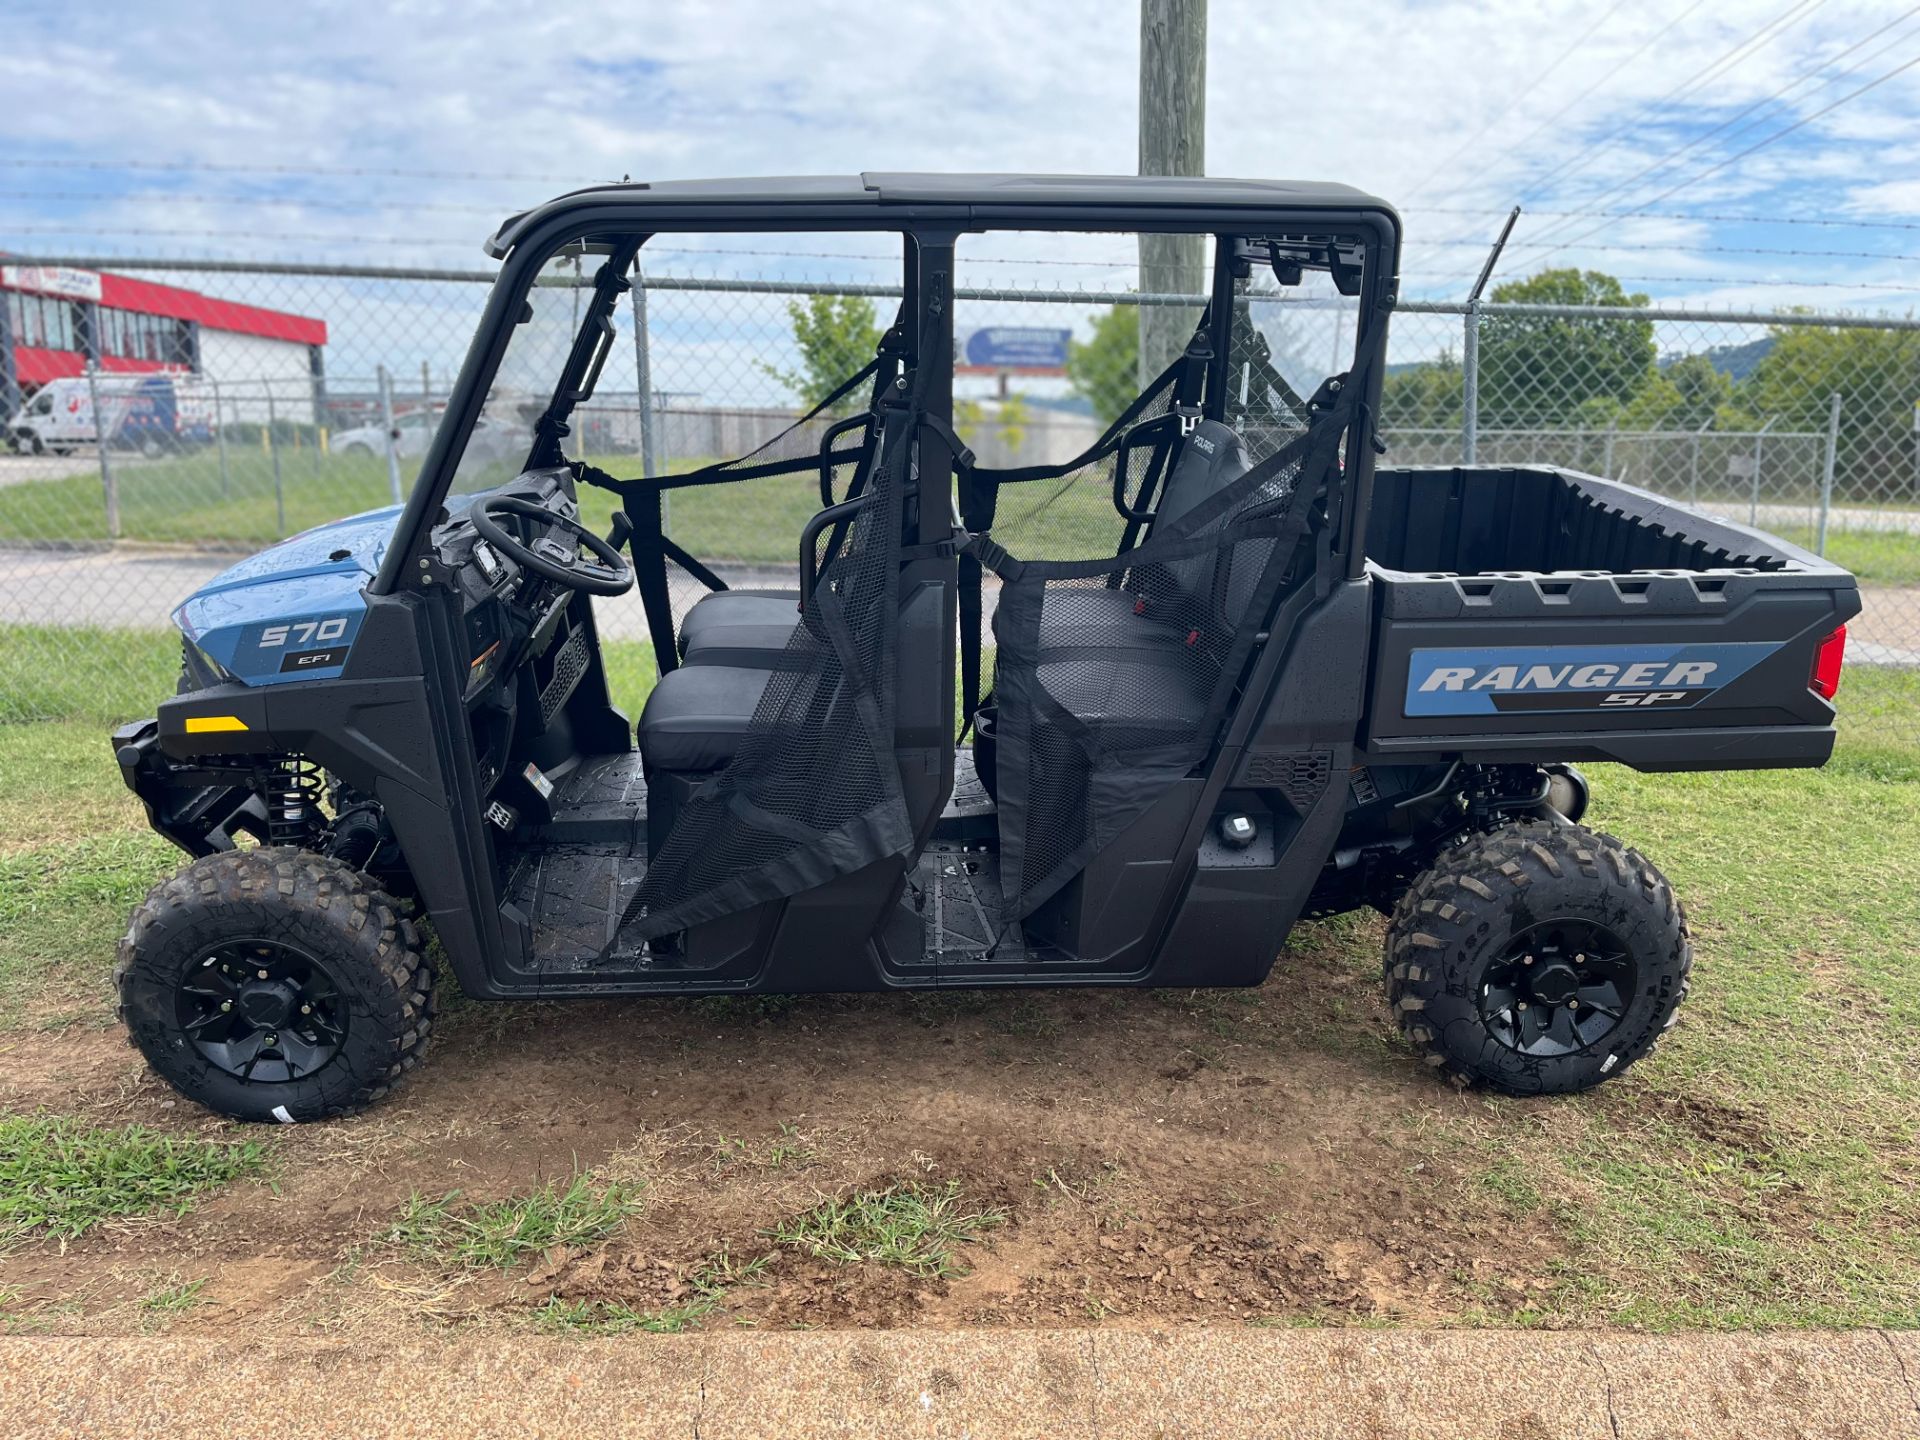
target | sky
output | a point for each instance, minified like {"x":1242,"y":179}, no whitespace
{"x":401,"y":133}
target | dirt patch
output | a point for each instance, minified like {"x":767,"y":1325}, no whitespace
{"x":1184,"y":1156}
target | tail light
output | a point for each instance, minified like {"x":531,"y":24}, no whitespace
{"x":1825,"y":680}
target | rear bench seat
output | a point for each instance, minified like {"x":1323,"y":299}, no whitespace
{"x":740,"y":627}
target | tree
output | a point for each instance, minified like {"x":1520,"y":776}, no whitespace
{"x":1008,"y":421}
{"x":1429,"y":395}
{"x":1684,"y":395}
{"x":1542,"y":370}
{"x":836,"y":336}
{"x":1105,"y":368}
{"x":1876,"y":374}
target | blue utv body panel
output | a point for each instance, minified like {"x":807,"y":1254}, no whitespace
{"x":292,"y":611}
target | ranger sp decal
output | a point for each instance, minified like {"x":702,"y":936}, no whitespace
{"x":1510,"y":679}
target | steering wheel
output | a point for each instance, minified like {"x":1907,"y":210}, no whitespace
{"x":548,"y":556}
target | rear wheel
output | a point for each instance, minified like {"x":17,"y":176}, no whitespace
{"x":275,"y":984}
{"x":1537,"y":959}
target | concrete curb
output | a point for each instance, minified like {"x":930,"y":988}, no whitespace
{"x":1477,"y":1385}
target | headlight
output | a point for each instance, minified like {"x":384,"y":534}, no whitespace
{"x":199,"y":670}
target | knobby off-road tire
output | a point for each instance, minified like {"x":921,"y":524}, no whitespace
{"x":239,"y":942}
{"x":1537,"y":959}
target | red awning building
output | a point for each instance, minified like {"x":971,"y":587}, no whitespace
{"x":55,"y":319}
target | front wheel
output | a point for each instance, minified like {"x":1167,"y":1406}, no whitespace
{"x":275,"y":984}
{"x":1537,"y":959}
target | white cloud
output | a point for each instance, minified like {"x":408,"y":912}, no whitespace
{"x":1381,"y":93}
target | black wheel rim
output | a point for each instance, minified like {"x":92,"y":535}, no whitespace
{"x":262,"y":1011}
{"x":1560,"y":987}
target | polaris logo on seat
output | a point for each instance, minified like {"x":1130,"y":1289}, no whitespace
{"x":1507,"y":679}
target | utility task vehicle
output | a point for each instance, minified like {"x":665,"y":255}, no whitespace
{"x":1239,"y":675}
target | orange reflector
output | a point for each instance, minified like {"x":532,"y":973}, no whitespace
{"x":213,"y":724}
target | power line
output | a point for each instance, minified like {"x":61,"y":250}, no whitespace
{"x":1539,"y":79}
{"x":1762,"y":144}
{"x":1641,"y":49}
{"x":1663,"y":162}
{"x":1800,"y":11}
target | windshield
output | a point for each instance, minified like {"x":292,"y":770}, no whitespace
{"x":536,"y":357}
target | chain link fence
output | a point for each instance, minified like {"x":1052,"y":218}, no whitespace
{"x":1802,"y":425}
{"x":165,"y":453}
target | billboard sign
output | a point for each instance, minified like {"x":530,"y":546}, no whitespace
{"x":52,"y":280}
{"x":1028,"y":348}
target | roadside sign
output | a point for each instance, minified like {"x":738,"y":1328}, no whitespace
{"x":1031,"y":349}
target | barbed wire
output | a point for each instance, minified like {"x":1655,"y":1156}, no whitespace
{"x":200,"y":167}
{"x":1714,"y":219}
{"x":1743,"y":281}
{"x":1688,"y":249}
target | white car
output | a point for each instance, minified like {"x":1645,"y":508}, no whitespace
{"x":412,"y":432}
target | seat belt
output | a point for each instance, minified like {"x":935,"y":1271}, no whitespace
{"x":1187,"y":389}
{"x":980,"y":497}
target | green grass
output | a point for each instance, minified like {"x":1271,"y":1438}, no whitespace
{"x":710,"y":1284}
{"x":916,"y":1227}
{"x":1877,"y":557}
{"x":502,"y":1233}
{"x":174,"y":1299}
{"x":108,"y":677}
{"x":50,"y":672}
{"x":60,"y":1177}
{"x":1762,"y":1168}
{"x":615,"y":1317}
{"x":181,"y":502}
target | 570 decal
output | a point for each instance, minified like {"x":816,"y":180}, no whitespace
{"x":304,"y":632}
{"x":301,"y":647}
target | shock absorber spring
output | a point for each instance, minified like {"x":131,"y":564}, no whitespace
{"x":293,"y":800}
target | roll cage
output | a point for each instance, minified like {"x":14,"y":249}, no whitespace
{"x":1353,"y":236}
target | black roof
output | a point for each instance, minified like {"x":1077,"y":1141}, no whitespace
{"x":984,"y":198}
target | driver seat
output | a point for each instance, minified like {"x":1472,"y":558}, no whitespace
{"x":689,"y":731}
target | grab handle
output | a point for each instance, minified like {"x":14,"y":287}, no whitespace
{"x":810,"y":539}
{"x":1127,"y":442}
{"x":834,"y":432}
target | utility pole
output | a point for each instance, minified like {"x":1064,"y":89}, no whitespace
{"x":1173,"y":141}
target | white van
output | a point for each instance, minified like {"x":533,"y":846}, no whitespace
{"x":154,"y":414}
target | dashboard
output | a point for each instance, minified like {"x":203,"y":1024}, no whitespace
{"x":528,"y":641}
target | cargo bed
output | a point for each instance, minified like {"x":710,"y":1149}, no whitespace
{"x":1528,"y":613}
